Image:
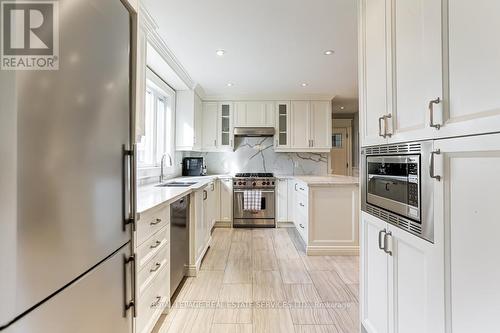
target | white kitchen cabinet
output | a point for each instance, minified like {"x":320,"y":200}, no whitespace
{"x":210,"y":116}
{"x":226,"y":200}
{"x":254,"y":114}
{"x":282,"y":131}
{"x":402,"y":277}
{"x":417,"y":69}
{"x":282,"y":200}
{"x":473,"y":68}
{"x":374,"y":286}
{"x":466,"y":200}
{"x":189,"y":121}
{"x":200,"y":228}
{"x":210,"y":208}
{"x":374,"y":71}
{"x":300,"y":124}
{"x":225,"y":140}
{"x":321,"y":125}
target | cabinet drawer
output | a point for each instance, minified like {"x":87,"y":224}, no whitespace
{"x":153,"y":302}
{"x":151,"y":221}
{"x":301,"y":204}
{"x":152,"y":268}
{"x":301,"y":187}
{"x":301,"y":223}
{"x":147,"y":250}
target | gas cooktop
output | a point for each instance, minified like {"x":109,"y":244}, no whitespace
{"x":254,"y":175}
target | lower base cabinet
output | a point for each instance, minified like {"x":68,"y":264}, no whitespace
{"x":402,"y":280}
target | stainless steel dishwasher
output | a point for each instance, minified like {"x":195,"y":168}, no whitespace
{"x":179,"y":241}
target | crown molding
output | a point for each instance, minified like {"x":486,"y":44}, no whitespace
{"x":150,"y":27}
{"x":270,"y":97}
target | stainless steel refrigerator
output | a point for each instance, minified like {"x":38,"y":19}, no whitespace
{"x":65,"y":180}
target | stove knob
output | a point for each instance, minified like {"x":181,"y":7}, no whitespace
{"x":235,"y":183}
{"x":239,"y":183}
{"x":244,"y":183}
{"x":254,"y":184}
{"x":273,"y":183}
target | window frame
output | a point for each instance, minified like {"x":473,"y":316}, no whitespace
{"x":161,"y":90}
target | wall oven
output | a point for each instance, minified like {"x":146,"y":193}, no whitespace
{"x":396,"y":187}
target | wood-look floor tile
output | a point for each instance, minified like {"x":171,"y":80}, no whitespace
{"x":231,"y":328}
{"x":346,"y":318}
{"x":348,"y":271}
{"x":242,"y":235}
{"x":262,"y":243}
{"x":306,"y":306}
{"x":265,"y":261}
{"x":191,"y":321}
{"x":272,"y":321}
{"x":284,"y":249}
{"x":238,"y":271}
{"x":293,"y":271}
{"x":240,"y":250}
{"x":316,"y":329}
{"x":234,"y":304}
{"x":205,"y":287}
{"x":215,"y":260}
{"x":331,"y":288}
{"x":268,"y":286}
{"x":317,"y":263}
{"x":354,"y":288}
{"x":221,"y":238}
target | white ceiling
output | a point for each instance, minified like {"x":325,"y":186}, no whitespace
{"x":272,"y":46}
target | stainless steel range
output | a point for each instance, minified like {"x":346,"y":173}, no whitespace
{"x":264,"y":184}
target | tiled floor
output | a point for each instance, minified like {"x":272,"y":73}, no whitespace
{"x":261,"y":281}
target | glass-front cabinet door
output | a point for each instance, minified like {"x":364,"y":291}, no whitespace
{"x":282,"y":135}
{"x":225,"y":125}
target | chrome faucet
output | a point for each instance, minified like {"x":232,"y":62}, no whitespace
{"x":162,"y":166}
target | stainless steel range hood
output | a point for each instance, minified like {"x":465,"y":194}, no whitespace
{"x":254,"y":131}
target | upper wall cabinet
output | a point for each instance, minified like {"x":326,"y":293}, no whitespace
{"x":416,"y":55}
{"x":300,"y":125}
{"x":472,"y":76}
{"x":410,"y":89}
{"x":254,"y":114}
{"x":209,"y":126}
{"x":225,"y":139}
{"x":373,"y":67}
{"x":188,"y":121}
{"x":282,"y":132}
{"x":321,"y":125}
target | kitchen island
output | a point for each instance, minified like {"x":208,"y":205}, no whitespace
{"x":324,"y":210}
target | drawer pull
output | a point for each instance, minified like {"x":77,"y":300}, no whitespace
{"x":156,"y":221}
{"x":301,"y":204}
{"x":301,"y":226}
{"x":156,"y":244}
{"x":156,"y":267}
{"x":302,"y":189}
{"x":156,"y":302}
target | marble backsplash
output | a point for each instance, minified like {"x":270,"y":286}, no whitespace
{"x":258,"y":155}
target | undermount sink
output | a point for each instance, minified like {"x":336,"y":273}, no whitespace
{"x":177,"y":184}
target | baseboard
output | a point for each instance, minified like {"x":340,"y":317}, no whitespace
{"x":332,"y":250}
{"x":191,"y":270}
{"x":285,"y":225}
{"x":223,"y":224}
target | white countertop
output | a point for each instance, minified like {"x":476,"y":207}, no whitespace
{"x":150,"y":196}
{"x":323,"y":180}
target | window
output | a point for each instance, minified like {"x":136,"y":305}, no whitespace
{"x":337,"y":140}
{"x":158,"y":132}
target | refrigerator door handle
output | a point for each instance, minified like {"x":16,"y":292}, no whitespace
{"x":130,"y":182}
{"x":132,"y":302}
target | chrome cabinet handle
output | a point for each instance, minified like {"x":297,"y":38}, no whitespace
{"x":300,"y":224}
{"x":156,"y":221}
{"x":205,"y":195}
{"x":386,"y":250}
{"x":156,"y":267}
{"x":156,"y":302}
{"x":431,"y":112}
{"x":380,"y":126}
{"x":389,"y":116}
{"x":380,"y":246}
{"x":301,"y":204}
{"x":155,"y":245}
{"x":130,"y":303}
{"x":296,"y":186}
{"x":431,"y":165}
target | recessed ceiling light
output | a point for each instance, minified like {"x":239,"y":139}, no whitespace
{"x":229,"y":84}
{"x":220,"y":52}
{"x":342,"y":108}
{"x":303,"y":84}
{"x":329,"y":52}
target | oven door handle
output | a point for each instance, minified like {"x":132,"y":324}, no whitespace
{"x":401,"y":178}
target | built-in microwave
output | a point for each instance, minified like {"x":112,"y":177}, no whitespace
{"x":397,"y":188}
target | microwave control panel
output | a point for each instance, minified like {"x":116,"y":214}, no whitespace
{"x":413,"y":188}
